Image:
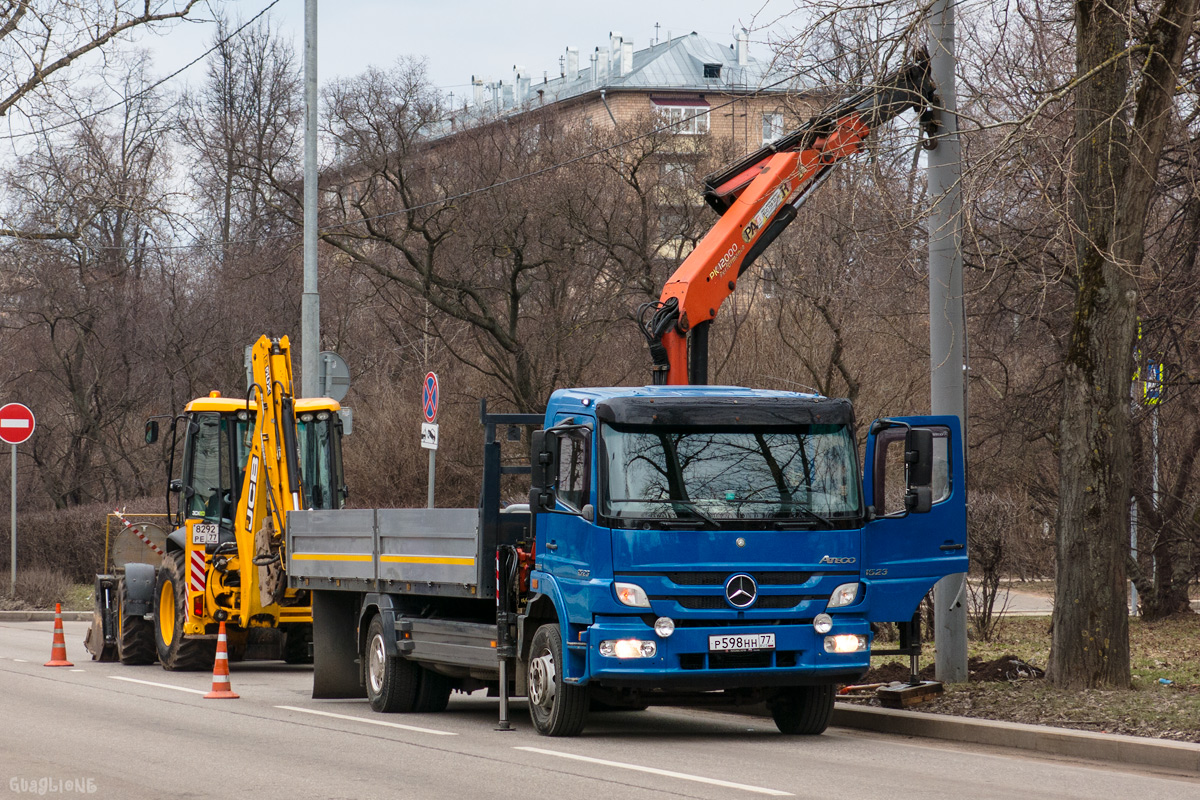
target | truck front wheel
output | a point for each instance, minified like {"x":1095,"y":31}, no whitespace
{"x":392,"y":682}
{"x":803,"y":710}
{"x":556,"y":708}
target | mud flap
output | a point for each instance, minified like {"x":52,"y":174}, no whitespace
{"x":335,"y":646}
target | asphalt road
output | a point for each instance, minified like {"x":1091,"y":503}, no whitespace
{"x":141,"y":732}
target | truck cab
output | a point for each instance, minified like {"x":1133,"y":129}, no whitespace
{"x":696,"y":538}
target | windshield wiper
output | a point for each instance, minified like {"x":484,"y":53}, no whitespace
{"x":686,"y":504}
{"x":808,"y":513}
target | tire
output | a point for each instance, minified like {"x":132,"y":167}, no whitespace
{"x":170,"y":612}
{"x":803,"y":710}
{"x":392,"y":682}
{"x":556,"y":708}
{"x":135,"y":635}
{"x":433,"y":694}
{"x":296,"y":640}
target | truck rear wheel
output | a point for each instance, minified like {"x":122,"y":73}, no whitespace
{"x":803,"y":710}
{"x":392,"y":682}
{"x":135,"y":635}
{"x":557,"y":708}
{"x":170,"y":613}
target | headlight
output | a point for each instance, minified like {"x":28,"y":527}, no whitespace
{"x":822,"y":623}
{"x":845,"y":643}
{"x":628,"y":648}
{"x":631,"y":594}
{"x":664,"y":626}
{"x":306,"y":417}
{"x":843,"y":595}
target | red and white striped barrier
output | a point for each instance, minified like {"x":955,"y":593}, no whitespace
{"x":145,"y":539}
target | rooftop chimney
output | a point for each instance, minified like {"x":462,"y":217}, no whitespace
{"x":626,"y":58}
{"x":595,"y":74}
{"x":477,"y":90}
{"x":572,"y":63}
{"x":602,"y":66}
{"x":743,"y":47}
{"x":614,"y":51}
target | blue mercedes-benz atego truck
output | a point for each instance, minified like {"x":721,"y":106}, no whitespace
{"x":681,"y":545}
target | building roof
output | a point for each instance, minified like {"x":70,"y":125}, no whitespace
{"x":688,"y":63}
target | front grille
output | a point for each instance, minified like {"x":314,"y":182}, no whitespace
{"x":757,"y":660}
{"x":719,"y":578}
{"x":718,"y":602}
{"x":760,"y":659}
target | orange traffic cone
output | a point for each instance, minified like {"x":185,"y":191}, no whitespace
{"x":58,"y":652}
{"x":220,"y":687}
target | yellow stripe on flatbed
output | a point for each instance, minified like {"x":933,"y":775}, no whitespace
{"x":457,"y":561}
{"x":330,"y":557}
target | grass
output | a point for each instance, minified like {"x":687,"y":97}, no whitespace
{"x":1164,"y":650}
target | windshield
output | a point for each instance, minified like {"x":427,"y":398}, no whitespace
{"x":734,"y":474}
{"x":320,"y":465}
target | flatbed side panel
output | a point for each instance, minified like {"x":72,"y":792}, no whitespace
{"x":429,"y":545}
{"x":332,"y":544}
{"x":470,"y":644}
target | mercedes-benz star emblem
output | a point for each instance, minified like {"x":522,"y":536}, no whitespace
{"x":741,"y":591}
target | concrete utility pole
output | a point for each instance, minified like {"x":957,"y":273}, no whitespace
{"x":947,"y":329}
{"x":310,"y":304}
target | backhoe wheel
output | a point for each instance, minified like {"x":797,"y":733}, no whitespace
{"x":135,"y":635}
{"x":170,"y":613}
{"x":433,"y":694}
{"x":556,"y":708}
{"x":392,"y":682}
{"x":803,"y":710}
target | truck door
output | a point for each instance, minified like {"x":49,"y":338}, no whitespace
{"x":904,"y":553}
{"x":563,"y":540}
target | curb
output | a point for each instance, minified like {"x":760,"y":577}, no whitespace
{"x":1103,"y":747}
{"x":44,"y":616}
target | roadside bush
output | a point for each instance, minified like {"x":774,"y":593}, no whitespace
{"x":998,"y":532}
{"x":69,"y":541}
{"x":39,"y":588}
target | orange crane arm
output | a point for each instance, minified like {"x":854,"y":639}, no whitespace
{"x":757,"y":197}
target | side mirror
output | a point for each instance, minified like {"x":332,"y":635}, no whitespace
{"x":175,"y":485}
{"x":543,"y":471}
{"x":152,"y":431}
{"x":918,"y":460}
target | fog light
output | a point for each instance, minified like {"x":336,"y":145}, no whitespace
{"x":845,"y":643}
{"x":628,"y":648}
{"x":822,"y":623}
{"x":664,"y":626}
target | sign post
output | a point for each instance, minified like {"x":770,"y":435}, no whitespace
{"x":16,"y":426}
{"x":429,"y":429}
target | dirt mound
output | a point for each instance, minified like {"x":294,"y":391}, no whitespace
{"x":1005,"y":668}
{"x":895,"y":671}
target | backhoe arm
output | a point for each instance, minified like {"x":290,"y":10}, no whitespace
{"x":759,"y":196}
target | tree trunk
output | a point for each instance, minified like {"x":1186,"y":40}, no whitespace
{"x":1115,"y":172}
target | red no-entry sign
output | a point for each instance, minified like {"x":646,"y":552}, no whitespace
{"x":16,"y":423}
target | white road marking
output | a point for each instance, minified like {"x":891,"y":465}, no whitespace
{"x":654,"y":771}
{"x":76,"y":670}
{"x":159,"y":685}
{"x":367,"y":721}
{"x":20,"y":661}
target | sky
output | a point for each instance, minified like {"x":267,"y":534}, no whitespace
{"x":461,"y":38}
